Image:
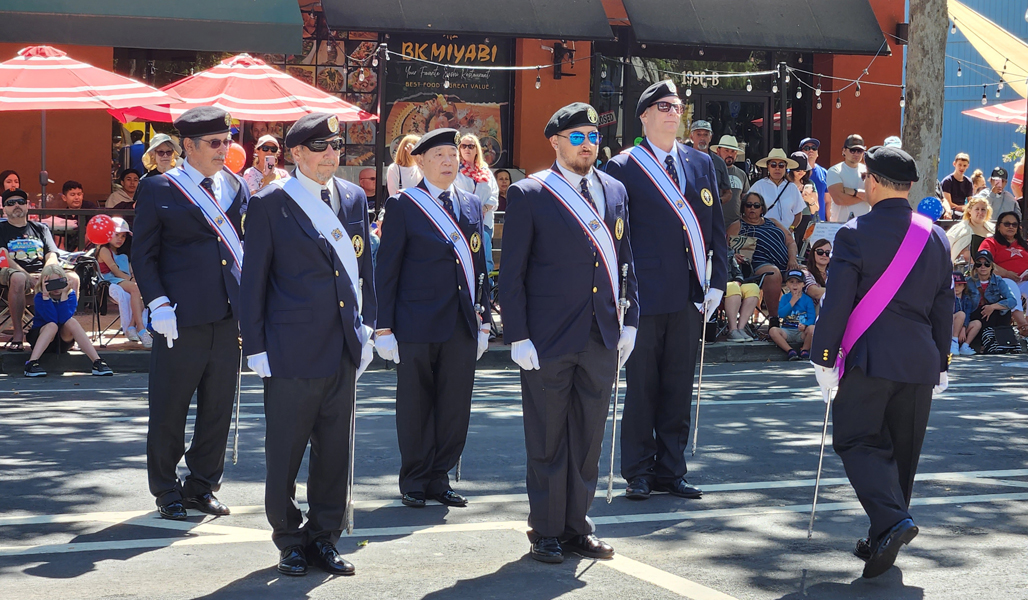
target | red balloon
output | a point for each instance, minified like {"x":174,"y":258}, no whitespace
{"x":100,"y":230}
{"x":235,"y":159}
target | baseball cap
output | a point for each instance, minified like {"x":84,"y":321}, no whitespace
{"x":999,"y":172}
{"x":959,"y":277}
{"x":701,"y":126}
{"x":795,"y":274}
{"x":984,"y":255}
{"x":810,"y":140}
{"x":854,"y":141}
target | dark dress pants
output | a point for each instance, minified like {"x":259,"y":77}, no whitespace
{"x":655,"y":425}
{"x":205,"y":360}
{"x":878,"y":427}
{"x":565,"y":404}
{"x":433,"y":408}
{"x":299,"y":411}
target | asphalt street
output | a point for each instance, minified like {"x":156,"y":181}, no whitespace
{"x":77,"y":521}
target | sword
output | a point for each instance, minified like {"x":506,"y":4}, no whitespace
{"x":622,"y":307}
{"x":703,"y":350}
{"x":353,"y":427}
{"x":820,"y":459}
{"x":478,"y":309}
{"x":239,"y":382}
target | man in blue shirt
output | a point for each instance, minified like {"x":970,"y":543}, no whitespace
{"x":818,"y":174}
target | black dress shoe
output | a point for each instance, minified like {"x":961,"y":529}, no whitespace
{"x":547,"y":550}
{"x":413,"y":500}
{"x":206,"y":503}
{"x":292,"y":562}
{"x":589,"y":546}
{"x":638,"y":489}
{"x":173,"y":510}
{"x":884,"y":554}
{"x":451,"y":498}
{"x":325,"y":556}
{"x":679,"y":487}
{"x":863,"y":549}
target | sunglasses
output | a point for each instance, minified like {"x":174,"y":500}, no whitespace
{"x":808,"y":148}
{"x":752,"y":205}
{"x":980,"y":265}
{"x":268,"y":148}
{"x":856,"y":150}
{"x":165,"y":152}
{"x":577,"y":138}
{"x":13,"y":201}
{"x":676,"y":107}
{"x":467,"y":146}
{"x":777,"y":165}
{"x":1009,"y":223}
{"x":821,"y":252}
{"x":218,"y":143}
{"x":322,"y":145}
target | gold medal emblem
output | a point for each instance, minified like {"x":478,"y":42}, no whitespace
{"x":456,"y":138}
{"x":336,"y":234}
{"x":333,"y":124}
{"x":708,"y":198}
{"x":476,"y":242}
{"x":671,"y":86}
{"x":228,"y":119}
{"x":358,"y":245}
{"x":619,"y":228}
{"x":593,"y":117}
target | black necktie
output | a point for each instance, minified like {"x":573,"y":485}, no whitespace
{"x":672,"y":172}
{"x":326,"y":197}
{"x":586,"y":194}
{"x":208,"y":184}
{"x":444,"y":199}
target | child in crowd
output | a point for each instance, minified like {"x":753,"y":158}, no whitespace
{"x":54,"y":325}
{"x":964,"y":329}
{"x":798,"y":315}
{"x":116,"y":270}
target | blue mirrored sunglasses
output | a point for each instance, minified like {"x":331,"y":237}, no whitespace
{"x":577,"y":138}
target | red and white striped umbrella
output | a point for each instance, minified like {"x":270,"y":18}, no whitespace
{"x":250,"y":90}
{"x":1008,"y":112}
{"x":45,"y":78}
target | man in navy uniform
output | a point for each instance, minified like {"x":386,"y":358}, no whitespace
{"x":881,"y":409}
{"x":565,"y":245}
{"x":307,"y":316}
{"x":672,"y":191}
{"x":431,"y":279}
{"x":187,"y":258}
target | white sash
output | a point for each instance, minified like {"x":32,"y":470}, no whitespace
{"x":585,"y":213}
{"x":676,"y":200}
{"x":211,"y":210}
{"x":328,"y":225}
{"x":449,"y":229}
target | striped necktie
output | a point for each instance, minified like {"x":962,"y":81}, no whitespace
{"x":672,"y":172}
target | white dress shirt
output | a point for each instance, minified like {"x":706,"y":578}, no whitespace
{"x":434,"y":191}
{"x":595,"y":187}
{"x":662,"y":159}
{"x":218,"y":185}
{"x":315,"y":189}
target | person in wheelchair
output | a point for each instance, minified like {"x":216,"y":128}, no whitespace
{"x":798,"y":314}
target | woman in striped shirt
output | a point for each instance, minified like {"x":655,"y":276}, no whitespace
{"x":775,"y":252}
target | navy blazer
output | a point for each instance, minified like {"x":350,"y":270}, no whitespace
{"x":910,"y":340}
{"x":297,"y":302}
{"x":667,"y":279}
{"x":420,"y":279}
{"x":176,"y":253}
{"x":552,"y":283}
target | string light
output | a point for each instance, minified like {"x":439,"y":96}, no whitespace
{"x":788,"y":79}
{"x":819,"y":102}
{"x":998,"y":88}
{"x":952,"y":27}
{"x":960,"y":72}
{"x":774,"y":88}
{"x":688,"y":91}
{"x":799,"y":92}
{"x":374,"y":61}
{"x":749,"y":85}
{"x":446,"y":83}
{"x":856,"y":92}
{"x":603,"y":71}
{"x":701,"y":51}
{"x":903,"y":97}
{"x":984,"y":99}
{"x":838,"y":102}
{"x":817,"y":92}
{"x":538,"y":78}
{"x":360,"y":74}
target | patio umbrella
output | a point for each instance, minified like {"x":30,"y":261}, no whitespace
{"x":44,"y":78}
{"x":1009,"y":112}
{"x":250,"y":90}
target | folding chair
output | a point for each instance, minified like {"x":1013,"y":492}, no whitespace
{"x":96,"y":293}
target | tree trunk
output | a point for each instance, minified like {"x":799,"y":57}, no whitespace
{"x":925,"y":80}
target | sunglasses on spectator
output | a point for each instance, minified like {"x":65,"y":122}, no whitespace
{"x":980,"y":265}
{"x":218,"y":143}
{"x":808,"y":148}
{"x":821,"y":252}
{"x":267,"y":148}
{"x":322,"y":145}
{"x":467,"y":146}
{"x":856,"y":150}
{"x":13,"y":201}
{"x":751,"y":205}
{"x":577,"y":138}
{"x":164,"y":152}
{"x":777,"y":165}
{"x":676,"y":107}
{"x":1009,"y":223}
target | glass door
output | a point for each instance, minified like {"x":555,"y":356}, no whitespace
{"x":743,"y":116}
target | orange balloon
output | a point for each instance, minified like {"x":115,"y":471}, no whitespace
{"x":235,"y":159}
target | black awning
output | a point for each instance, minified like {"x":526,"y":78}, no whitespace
{"x":819,"y":26}
{"x":267,"y":26}
{"x":545,"y":19}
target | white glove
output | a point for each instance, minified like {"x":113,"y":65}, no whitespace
{"x":827,"y":379}
{"x":387,"y":348}
{"x":626,"y":343}
{"x":711,"y":301}
{"x":258,"y":363}
{"x":524,"y":354}
{"x":943,"y":383}
{"x":483,"y":343}
{"x":367,"y":353}
{"x":163,"y":321}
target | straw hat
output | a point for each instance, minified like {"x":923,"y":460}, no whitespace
{"x":728,"y":142}
{"x":779,"y":154}
{"x":149,"y":162}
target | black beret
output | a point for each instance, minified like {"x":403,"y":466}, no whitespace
{"x":203,"y":120}
{"x":437,"y":137}
{"x":15,"y":193}
{"x":653,"y":93}
{"x":573,"y":115}
{"x":315,"y":126}
{"x":891,"y":163}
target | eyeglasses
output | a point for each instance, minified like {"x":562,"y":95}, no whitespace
{"x":467,"y":146}
{"x":577,"y":138}
{"x":13,"y":201}
{"x":808,"y":148}
{"x":268,"y":148}
{"x":856,"y":150}
{"x":752,"y":205}
{"x":676,"y":107}
{"x":1009,"y":223}
{"x":322,"y":145}
{"x":821,"y":252}
{"x":165,"y":152}
{"x":980,"y":265}
{"x":777,"y":165}
{"x":218,"y":143}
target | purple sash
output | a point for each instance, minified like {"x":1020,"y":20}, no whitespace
{"x":884,"y":290}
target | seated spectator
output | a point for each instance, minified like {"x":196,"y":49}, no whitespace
{"x":798,"y":316}
{"x":266,"y":157}
{"x":784,"y":201}
{"x":964,"y":329}
{"x":30,"y":246}
{"x":161,"y":156}
{"x":116,"y":270}
{"x":68,"y":226}
{"x":816,"y":269}
{"x":74,"y":197}
{"x":54,"y":327}
{"x":1000,"y":200}
{"x":977,"y":182}
{"x":977,"y":220}
{"x":9,"y":180}
{"x":992,"y":299}
{"x":128,"y":181}
{"x":775,"y":252}
{"x":741,"y":300}
{"x":1008,"y":250}
{"x":956,"y":188}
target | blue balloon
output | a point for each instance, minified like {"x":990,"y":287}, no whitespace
{"x":931,"y":207}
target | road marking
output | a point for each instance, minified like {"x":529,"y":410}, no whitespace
{"x":663,"y":579}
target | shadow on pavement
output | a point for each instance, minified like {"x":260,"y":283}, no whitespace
{"x":525,"y":579}
{"x":888,"y":585}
